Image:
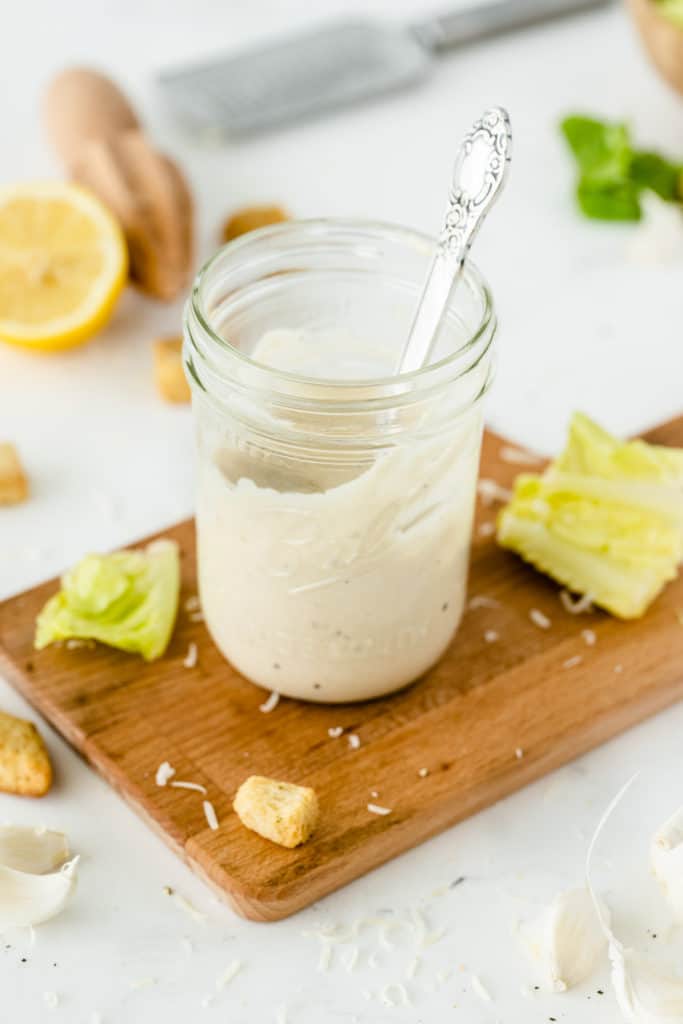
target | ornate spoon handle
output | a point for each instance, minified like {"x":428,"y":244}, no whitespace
{"x":478,"y":176}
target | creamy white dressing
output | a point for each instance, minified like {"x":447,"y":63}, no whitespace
{"x":336,"y":591}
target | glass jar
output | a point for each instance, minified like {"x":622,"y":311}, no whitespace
{"x":335,"y":498}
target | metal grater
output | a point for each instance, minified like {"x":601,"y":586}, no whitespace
{"x":335,"y":65}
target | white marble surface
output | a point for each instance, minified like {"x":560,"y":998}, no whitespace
{"x":580,"y":327}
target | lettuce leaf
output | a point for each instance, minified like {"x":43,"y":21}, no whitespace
{"x":592,"y":451}
{"x":128,"y":600}
{"x":594,"y":540}
{"x":605,"y":519}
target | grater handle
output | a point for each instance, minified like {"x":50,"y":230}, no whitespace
{"x":453,"y":28}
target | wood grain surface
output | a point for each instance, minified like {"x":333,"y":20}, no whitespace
{"x":489,"y":718}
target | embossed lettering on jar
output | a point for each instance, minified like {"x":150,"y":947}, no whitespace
{"x":335,"y":499}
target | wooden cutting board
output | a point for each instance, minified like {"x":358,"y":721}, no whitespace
{"x":488,"y":719}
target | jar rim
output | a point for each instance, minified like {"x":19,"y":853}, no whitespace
{"x":320,"y":227}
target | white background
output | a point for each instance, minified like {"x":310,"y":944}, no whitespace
{"x":581,"y":327}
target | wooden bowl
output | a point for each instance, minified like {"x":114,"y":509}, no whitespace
{"x":662,"y":38}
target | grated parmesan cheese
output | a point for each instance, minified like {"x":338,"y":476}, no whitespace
{"x":190,"y":659}
{"x":197,"y":617}
{"x":335,"y":731}
{"x":192,"y":603}
{"x":325,"y":958}
{"x":352,"y":959}
{"x":582,"y":604}
{"x":518,"y":456}
{"x":490,"y":491}
{"x":195,"y":786}
{"x":572,"y":662}
{"x":480,"y":989}
{"x":164,"y":773}
{"x":589,"y":637}
{"x":184,"y":904}
{"x":395,"y":995}
{"x":539,"y":619}
{"x":519,"y":753}
{"x":271,"y":703}
{"x":490,"y":636}
{"x":486,"y":529}
{"x":618,"y":668}
{"x":413,"y":967}
{"x":354,"y":741}
{"x":481,"y":601}
{"x":423,"y":772}
{"x":230,"y":972}
{"x":51,"y":1000}
{"x":377,"y":809}
{"x":75,"y":643}
{"x":210,"y":815}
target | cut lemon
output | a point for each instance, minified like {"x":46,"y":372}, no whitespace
{"x":63,"y":263}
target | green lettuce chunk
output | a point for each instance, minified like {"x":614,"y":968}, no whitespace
{"x":128,"y":600}
{"x":592,"y":451}
{"x":606,"y":518}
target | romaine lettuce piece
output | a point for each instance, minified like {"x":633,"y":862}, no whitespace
{"x":595,"y":536}
{"x":128,"y":599}
{"x":593,"y":451}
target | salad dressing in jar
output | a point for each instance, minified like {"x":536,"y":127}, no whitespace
{"x":335,"y":499}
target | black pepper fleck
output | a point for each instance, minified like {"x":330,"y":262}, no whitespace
{"x":600,"y":992}
{"x":456,"y":882}
{"x":29,"y":666}
{"x":444,"y":607}
{"x":316,"y":686}
{"x":276,"y":664}
{"x":24,"y":960}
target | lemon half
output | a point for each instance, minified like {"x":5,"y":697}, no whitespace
{"x":63,"y":263}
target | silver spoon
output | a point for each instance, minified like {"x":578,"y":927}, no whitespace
{"x":478,"y":176}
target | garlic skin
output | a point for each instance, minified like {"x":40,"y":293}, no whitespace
{"x":33,"y":850}
{"x":27,"y":899}
{"x":666,"y":860}
{"x":566,"y":940}
{"x":31,"y":890}
{"x":647,"y":991}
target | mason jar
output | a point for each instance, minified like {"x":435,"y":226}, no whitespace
{"x":335,"y":497}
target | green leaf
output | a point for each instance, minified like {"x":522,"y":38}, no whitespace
{"x":128,"y":599}
{"x":618,"y":201}
{"x":650,"y":170}
{"x":602,"y":150}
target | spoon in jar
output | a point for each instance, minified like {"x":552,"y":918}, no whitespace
{"x":478,"y":176}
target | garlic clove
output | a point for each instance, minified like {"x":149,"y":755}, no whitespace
{"x":566,"y":940}
{"x":27,"y":899}
{"x":32,"y":850}
{"x":666,"y":859}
